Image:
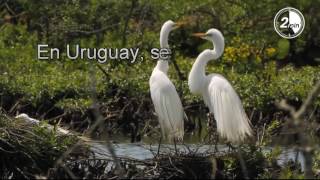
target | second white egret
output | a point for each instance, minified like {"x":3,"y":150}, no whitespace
{"x":218,"y":94}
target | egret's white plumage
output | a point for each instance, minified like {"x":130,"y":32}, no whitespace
{"x":217,"y":92}
{"x":164,"y":95}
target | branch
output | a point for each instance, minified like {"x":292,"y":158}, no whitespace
{"x":9,"y":9}
{"x":103,"y":71}
{"x":124,"y":37}
{"x":93,"y":31}
{"x":311,"y":97}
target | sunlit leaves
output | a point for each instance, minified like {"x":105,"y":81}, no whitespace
{"x":283,"y":48}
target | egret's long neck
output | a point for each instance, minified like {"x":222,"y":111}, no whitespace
{"x":164,"y":35}
{"x":163,"y":65}
{"x":197,"y":74}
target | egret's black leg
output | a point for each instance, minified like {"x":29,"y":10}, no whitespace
{"x":230,"y":146}
{"x":212,"y":129}
{"x":159,"y":145}
{"x":175,"y":145}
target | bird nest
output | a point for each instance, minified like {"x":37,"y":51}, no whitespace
{"x":184,"y":166}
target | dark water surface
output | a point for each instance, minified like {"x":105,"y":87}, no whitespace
{"x":193,"y":142}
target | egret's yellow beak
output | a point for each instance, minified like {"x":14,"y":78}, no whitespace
{"x":199,"y":35}
{"x":178,"y":24}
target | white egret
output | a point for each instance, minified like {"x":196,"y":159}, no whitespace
{"x":218,"y":94}
{"x":164,"y":95}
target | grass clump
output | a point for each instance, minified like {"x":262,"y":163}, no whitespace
{"x":27,"y":151}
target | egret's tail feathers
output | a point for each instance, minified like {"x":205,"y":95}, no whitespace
{"x":232,"y":121}
{"x":235,"y":126}
{"x":237,"y":132}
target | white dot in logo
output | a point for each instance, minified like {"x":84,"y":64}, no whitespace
{"x":289,"y":23}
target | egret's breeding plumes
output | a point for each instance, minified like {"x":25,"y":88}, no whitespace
{"x":164,"y":95}
{"x":217,"y":92}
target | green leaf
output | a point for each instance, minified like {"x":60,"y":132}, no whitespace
{"x":283,"y":48}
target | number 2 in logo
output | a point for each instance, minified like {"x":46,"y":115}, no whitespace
{"x":285,"y":21}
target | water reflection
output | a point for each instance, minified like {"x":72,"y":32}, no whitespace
{"x":142,"y":151}
{"x":194,"y":142}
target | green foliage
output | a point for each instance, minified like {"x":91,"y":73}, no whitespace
{"x":316,"y":165}
{"x":74,"y":104}
{"x":288,"y":173}
{"x":247,"y":61}
{"x":253,"y":158}
{"x":283,"y":48}
{"x":37,"y":79}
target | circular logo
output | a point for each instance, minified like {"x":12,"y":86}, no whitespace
{"x":289,"y":22}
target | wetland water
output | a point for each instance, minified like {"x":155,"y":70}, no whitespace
{"x":194,"y":143}
{"x":144,"y":151}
